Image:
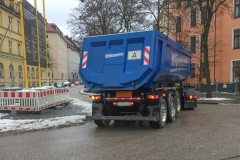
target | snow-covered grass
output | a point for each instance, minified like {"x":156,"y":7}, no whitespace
{"x":37,"y":124}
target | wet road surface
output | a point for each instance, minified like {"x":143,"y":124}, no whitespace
{"x":209,"y":132}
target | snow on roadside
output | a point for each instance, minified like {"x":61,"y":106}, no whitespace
{"x":214,"y":99}
{"x":7,"y":125}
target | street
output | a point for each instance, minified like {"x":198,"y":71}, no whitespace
{"x":207,"y":132}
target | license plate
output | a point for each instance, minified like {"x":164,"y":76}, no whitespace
{"x":123,"y":94}
{"x":123,"y":104}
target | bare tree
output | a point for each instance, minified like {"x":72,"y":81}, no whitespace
{"x":107,"y":17}
{"x":51,"y":61}
{"x":157,"y":10}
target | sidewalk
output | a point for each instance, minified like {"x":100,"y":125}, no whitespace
{"x":219,"y":98}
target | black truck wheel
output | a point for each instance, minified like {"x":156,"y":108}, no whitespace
{"x":177,"y":100}
{"x":171,"y":108}
{"x":162,"y":115}
{"x":102,"y":123}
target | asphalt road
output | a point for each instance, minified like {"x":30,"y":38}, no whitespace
{"x":209,"y":132}
{"x":74,"y":93}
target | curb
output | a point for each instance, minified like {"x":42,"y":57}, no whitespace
{"x":202,"y":102}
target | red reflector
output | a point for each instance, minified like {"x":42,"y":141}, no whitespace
{"x":152,"y":96}
{"x":132,"y":103}
{"x":114,"y":103}
{"x":164,"y":94}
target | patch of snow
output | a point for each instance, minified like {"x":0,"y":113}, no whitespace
{"x":7,"y":125}
{"x":3,"y":114}
{"x":28,"y":125}
{"x":229,"y":104}
{"x":214,"y":99}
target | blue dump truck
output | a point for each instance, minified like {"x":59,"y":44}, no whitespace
{"x":137,"y":76}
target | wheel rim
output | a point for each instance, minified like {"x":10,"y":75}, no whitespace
{"x":163,"y":113}
{"x":178,"y":104}
{"x":173,"y":111}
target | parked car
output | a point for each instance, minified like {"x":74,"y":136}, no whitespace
{"x":44,"y":84}
{"x":77,"y":83}
{"x":59,"y":85}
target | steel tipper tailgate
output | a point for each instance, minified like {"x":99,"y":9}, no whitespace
{"x":126,"y":61}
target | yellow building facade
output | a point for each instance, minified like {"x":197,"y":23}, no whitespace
{"x":11,"y":55}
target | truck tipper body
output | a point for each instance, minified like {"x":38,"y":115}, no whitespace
{"x":137,"y":76}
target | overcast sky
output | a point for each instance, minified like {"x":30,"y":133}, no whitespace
{"x":57,"y":12}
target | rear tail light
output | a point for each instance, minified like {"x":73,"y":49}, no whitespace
{"x":96,"y":97}
{"x":192,"y":97}
{"x":152,"y":96}
{"x":164,"y":94}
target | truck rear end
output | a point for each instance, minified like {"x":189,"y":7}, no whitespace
{"x":134,"y":75}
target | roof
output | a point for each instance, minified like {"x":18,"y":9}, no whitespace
{"x":49,"y":27}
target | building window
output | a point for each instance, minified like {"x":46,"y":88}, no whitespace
{"x":201,"y":42}
{"x":237,"y":9}
{"x":62,"y":75}
{"x":32,"y":73}
{"x":18,"y":26}
{"x":1,"y":70}
{"x":0,"y":44}
{"x":52,"y":75}
{"x":20,"y":72}
{"x":6,"y":3}
{"x":11,"y":71}
{"x":9,"y":46}
{"x":179,"y":3}
{"x":19,"y":49}
{"x":10,"y":23}
{"x":193,"y":44}
{"x":37,"y":73}
{"x":16,"y":6}
{"x":193,"y":68}
{"x":28,"y":74}
{"x":0,"y":18}
{"x":193,"y":18}
{"x":236,"y":38}
{"x":188,"y":3}
{"x":203,"y":14}
{"x":179,"y":24}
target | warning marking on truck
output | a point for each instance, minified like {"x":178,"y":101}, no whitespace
{"x":84,"y":62}
{"x":146,"y":55}
{"x":133,"y":55}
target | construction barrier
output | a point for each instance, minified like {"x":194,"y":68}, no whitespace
{"x":35,"y":99}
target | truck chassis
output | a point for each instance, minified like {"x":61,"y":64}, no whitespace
{"x":158,"y":107}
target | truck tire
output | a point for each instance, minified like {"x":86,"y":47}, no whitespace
{"x":177,"y":99}
{"x":162,"y":115}
{"x":171,"y":108}
{"x":102,"y":123}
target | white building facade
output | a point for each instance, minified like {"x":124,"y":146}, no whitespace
{"x":58,"y":52}
{"x":73,"y":60}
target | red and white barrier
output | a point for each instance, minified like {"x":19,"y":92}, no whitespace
{"x":35,"y":99}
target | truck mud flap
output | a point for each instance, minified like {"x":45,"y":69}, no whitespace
{"x":123,"y":118}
